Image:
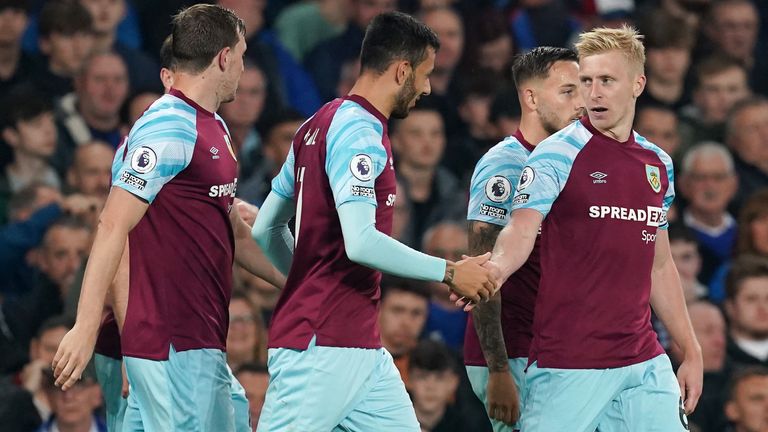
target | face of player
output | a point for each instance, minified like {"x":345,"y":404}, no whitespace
{"x":750,"y":141}
{"x":748,"y":311}
{"x":401,"y":320}
{"x":249,"y":103}
{"x":735,"y":29}
{"x":103,"y":88}
{"x":709,"y":326}
{"x":106,"y":14}
{"x":749,"y":409}
{"x":759,"y":230}
{"x":660,"y":128}
{"x":233,"y":70}
{"x":416,"y":84}
{"x":717,"y":94}
{"x":35,"y":137}
{"x":62,"y":253}
{"x":91,"y":173}
{"x":420,"y":139}
{"x":558,"y":101}
{"x":279,"y":142}
{"x":242,"y":336}
{"x":668,"y":65}
{"x":431,"y":390}
{"x":709,"y":185}
{"x":686,"y":256}
{"x":45,"y":348}
{"x":448,"y":28}
{"x":609,"y":85}
{"x":255,"y":385}
{"x":12,"y":24}
{"x":67,"y":53}
{"x":139,"y":104}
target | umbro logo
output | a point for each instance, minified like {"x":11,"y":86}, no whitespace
{"x":215,"y":152}
{"x":599,"y":177}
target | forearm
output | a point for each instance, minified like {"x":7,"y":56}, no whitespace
{"x":370,"y":247}
{"x":249,"y":256}
{"x":272,"y":234}
{"x":515,"y":242}
{"x":668,"y":301}
{"x":119,"y":289}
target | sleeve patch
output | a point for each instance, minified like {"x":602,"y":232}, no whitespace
{"x":526,"y":178}
{"x":132,"y":180}
{"x":492,"y":211}
{"x":521,"y":199}
{"x":498,"y":189}
{"x":361,"y":167}
{"x":144,"y":160}
{"x":363,"y":191}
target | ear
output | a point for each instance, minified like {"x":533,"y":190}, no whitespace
{"x":529,"y":98}
{"x":11,"y":136}
{"x":71,"y":177}
{"x":640,"y":81}
{"x":402,"y":69}
{"x":45,"y":45}
{"x":223,"y":58}
{"x":732,"y":411}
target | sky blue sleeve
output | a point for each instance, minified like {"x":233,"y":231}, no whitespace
{"x":370,"y":247}
{"x":159,"y":147}
{"x":546,"y":172}
{"x":284,"y":182}
{"x":492,"y":185}
{"x":669,"y":194}
{"x":271,"y":231}
{"x":355,"y":155}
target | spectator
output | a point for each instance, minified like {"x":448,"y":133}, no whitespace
{"x":16,"y":66}
{"x":41,"y":351}
{"x":489,"y":47}
{"x":543,"y":23}
{"x":747,"y":308}
{"x":505,"y":113}
{"x":66,"y":41}
{"x":107,"y":15}
{"x":747,"y":407}
{"x":247,"y":338}
{"x":74,"y":409}
{"x":401,"y":219}
{"x":402,"y":317}
{"x":446,"y":321}
{"x":434,"y":379}
{"x":708,"y":182}
{"x":302,"y":26}
{"x":243,"y":113}
{"x":92,"y":111}
{"x":732,"y":28}
{"x":449,"y":28}
{"x":135,"y":106}
{"x":720,"y":82}
{"x":685,"y":253}
{"x":29,"y":130}
{"x":747,"y":137}
{"x":261,"y":293}
{"x":278,"y":137}
{"x":254,"y":378}
{"x":17,"y":411}
{"x":91,"y":171}
{"x":668,"y":44}
{"x":418,"y":142}
{"x":659,"y":124}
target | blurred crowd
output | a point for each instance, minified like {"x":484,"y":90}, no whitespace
{"x":76,"y":74}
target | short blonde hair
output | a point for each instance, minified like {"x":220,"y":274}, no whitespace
{"x":625,"y":39}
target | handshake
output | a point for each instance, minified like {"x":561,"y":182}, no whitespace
{"x":473,"y":279}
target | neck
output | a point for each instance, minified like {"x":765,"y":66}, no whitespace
{"x":9,"y":60}
{"x":26,"y":165}
{"x":419,"y":181}
{"x":370,"y":87}
{"x":622,"y":129}
{"x":202,"y":89}
{"x":104,"y":41}
{"x":709,"y":219}
{"x":428,"y":420}
{"x":101,"y":122}
{"x":532,"y":129}
{"x":668,"y":92}
{"x":81,"y":426}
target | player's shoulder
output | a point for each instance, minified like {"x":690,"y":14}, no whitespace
{"x":350,"y":116}
{"x":169,"y":116}
{"x":564,"y":145}
{"x":648,"y":145}
{"x":508,"y":153}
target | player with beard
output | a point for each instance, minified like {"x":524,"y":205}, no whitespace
{"x":327,"y":367}
{"x":498,"y":333}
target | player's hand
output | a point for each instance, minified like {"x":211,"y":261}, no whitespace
{"x":470,"y":279}
{"x":690,"y":376}
{"x":74,"y":352}
{"x":125,"y":390}
{"x":247,"y":211}
{"x":503,"y":400}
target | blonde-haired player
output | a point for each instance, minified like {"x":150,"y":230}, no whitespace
{"x":601,"y":192}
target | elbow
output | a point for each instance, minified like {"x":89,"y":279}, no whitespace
{"x":260,"y":234}
{"x":355,"y":251}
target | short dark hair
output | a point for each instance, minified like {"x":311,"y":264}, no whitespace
{"x":678,"y":231}
{"x":284,"y":115}
{"x":664,"y":30}
{"x":428,"y":103}
{"x":200,"y":32}
{"x":25,"y":199}
{"x":392,"y":284}
{"x":505,"y":104}
{"x":536,"y":63}
{"x":166,"y":53}
{"x":64,"y":16}
{"x":68,"y":222}
{"x":433,"y":356}
{"x":742,"y":375}
{"x":252,"y":367}
{"x":54,"y":322}
{"x":19,"y":5}
{"x":756,"y":206}
{"x":715,"y":65}
{"x":23,"y":103}
{"x":393,"y":36}
{"x":738,"y":107}
{"x":742,"y":268}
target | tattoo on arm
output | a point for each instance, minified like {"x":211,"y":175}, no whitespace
{"x":487,"y":316}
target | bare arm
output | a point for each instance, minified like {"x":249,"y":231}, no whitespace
{"x":250,"y":256}
{"x":515,"y":242}
{"x":119,"y":289}
{"x":121,"y":213}
{"x":668,"y":302}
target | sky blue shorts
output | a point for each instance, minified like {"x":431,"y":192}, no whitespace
{"x":110,"y":377}
{"x":335,"y":389}
{"x":643,"y":397}
{"x":478,"y":377}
